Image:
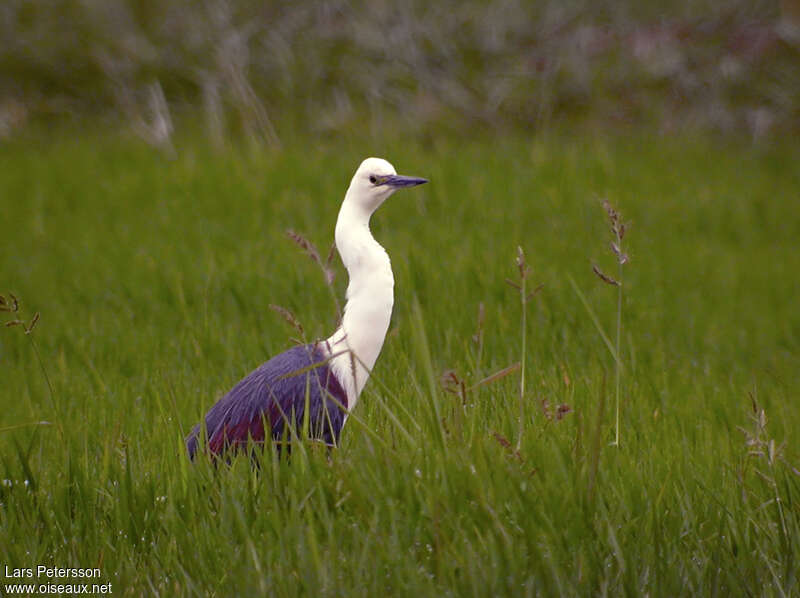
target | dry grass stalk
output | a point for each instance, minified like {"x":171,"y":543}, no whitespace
{"x":311,"y":251}
{"x":761,"y":446}
{"x":289,"y":317}
{"x":525,"y":297}
{"x":12,"y":305}
{"x":605,"y":277}
{"x":454,"y":384}
{"x":512,"y":452}
{"x":496,"y":376}
{"x":758,"y":442}
{"x":618,"y":229}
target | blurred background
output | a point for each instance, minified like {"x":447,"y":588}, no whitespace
{"x":272,"y":70}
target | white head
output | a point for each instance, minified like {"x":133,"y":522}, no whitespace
{"x":374,"y":181}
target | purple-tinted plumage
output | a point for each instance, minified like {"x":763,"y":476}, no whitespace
{"x":273,"y":395}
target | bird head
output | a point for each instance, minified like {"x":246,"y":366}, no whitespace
{"x":374,"y":181}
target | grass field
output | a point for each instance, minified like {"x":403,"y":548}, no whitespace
{"x":153,"y":277}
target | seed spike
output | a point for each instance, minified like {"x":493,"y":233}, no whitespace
{"x":604,"y":277}
{"x":306,"y":245}
{"x":534,"y":292}
{"x":288,"y":316}
{"x":521,"y":264}
{"x":32,"y":323}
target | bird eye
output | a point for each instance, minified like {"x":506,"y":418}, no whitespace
{"x":373,"y":179}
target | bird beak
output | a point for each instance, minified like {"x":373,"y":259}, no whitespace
{"x":399,"y":180}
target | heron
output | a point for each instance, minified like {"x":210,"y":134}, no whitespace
{"x":317,"y":385}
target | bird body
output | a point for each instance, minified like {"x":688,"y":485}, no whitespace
{"x":274,"y":395}
{"x":329,"y":375}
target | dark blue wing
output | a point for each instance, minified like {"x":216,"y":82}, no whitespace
{"x":272,"y":396}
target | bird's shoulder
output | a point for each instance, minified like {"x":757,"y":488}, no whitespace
{"x":279,"y":377}
{"x":292,"y":361}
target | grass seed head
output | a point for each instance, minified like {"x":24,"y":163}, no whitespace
{"x":558,"y":412}
{"x":289,"y":317}
{"x":311,"y":251}
{"x":757,"y":440}
{"x":11,"y":304}
{"x":604,"y":277}
{"x":29,"y":327}
{"x":615,"y":220}
{"x":513,"y":454}
{"x":524,"y":270}
{"x":502,"y":440}
{"x":622,"y":258}
{"x":453,"y":383}
{"x":306,"y":245}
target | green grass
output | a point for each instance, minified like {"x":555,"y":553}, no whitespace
{"x":153,"y":278}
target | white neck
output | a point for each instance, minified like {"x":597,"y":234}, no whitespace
{"x":370,"y":297}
